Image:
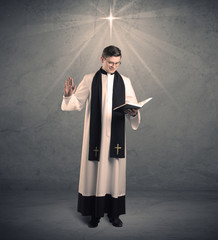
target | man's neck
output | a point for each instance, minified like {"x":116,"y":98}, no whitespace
{"x":107,"y":71}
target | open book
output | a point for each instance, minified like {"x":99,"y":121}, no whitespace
{"x":129,"y":105}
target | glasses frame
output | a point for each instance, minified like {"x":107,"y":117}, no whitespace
{"x":113,"y":63}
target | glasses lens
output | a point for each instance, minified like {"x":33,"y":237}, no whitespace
{"x":112,"y":63}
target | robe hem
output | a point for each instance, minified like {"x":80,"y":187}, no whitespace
{"x":101,"y":195}
{"x":98,"y":206}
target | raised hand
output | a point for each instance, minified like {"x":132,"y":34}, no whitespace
{"x":69,"y":87}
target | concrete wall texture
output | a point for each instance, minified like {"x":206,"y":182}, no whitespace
{"x":169,"y":52}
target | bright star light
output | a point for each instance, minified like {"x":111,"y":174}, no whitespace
{"x":138,"y":45}
{"x":111,"y":18}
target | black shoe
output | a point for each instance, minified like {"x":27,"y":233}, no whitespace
{"x":116,"y":222}
{"x":93,"y":222}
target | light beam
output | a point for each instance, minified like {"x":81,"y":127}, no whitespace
{"x":111,"y":18}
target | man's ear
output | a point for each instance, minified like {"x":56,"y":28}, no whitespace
{"x":102,"y":59}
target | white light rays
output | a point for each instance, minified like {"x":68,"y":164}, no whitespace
{"x":157,"y":13}
{"x":94,"y":58}
{"x":128,"y":59}
{"x":97,"y":8}
{"x":157,"y":80}
{"x":43,"y":28}
{"x":165,"y":47}
{"x":79,"y":51}
{"x":128,"y":21}
{"x":111,"y":18}
{"x":129,"y":34}
{"x":151,"y":14}
{"x":138,"y":42}
{"x":114,"y":5}
{"x":125,"y":7}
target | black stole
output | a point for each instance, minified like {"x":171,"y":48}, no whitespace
{"x":117,"y":143}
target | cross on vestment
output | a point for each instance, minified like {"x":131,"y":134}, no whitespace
{"x":118,"y":148}
{"x":96,"y":151}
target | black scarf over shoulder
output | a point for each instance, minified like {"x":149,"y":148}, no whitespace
{"x":117,"y":143}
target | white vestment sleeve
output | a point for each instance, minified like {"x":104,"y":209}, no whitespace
{"x":131,"y":97}
{"x":77,"y":100}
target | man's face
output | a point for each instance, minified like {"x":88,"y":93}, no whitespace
{"x":110,"y":64}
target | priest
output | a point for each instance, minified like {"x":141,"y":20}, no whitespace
{"x":102,"y":182}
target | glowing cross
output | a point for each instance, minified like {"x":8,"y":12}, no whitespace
{"x":111,"y":18}
{"x":118,"y":148}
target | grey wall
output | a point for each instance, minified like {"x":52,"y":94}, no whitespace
{"x":169,"y":52}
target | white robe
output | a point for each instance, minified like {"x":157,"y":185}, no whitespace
{"x":108,"y":175}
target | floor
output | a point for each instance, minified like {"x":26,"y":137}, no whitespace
{"x":45,"y":215}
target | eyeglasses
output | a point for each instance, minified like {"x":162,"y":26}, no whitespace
{"x":113,"y":63}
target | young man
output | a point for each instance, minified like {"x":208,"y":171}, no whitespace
{"x":102,"y":183}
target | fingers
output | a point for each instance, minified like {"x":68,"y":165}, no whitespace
{"x":127,"y":111}
{"x":131,"y":112}
{"x":70,"y":81}
{"x":135,"y":111}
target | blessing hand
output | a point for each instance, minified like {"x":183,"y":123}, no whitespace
{"x":69,"y":87}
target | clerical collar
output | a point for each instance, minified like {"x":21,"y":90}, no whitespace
{"x":105,"y":73}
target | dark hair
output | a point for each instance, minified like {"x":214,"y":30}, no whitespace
{"x":111,"y":51}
